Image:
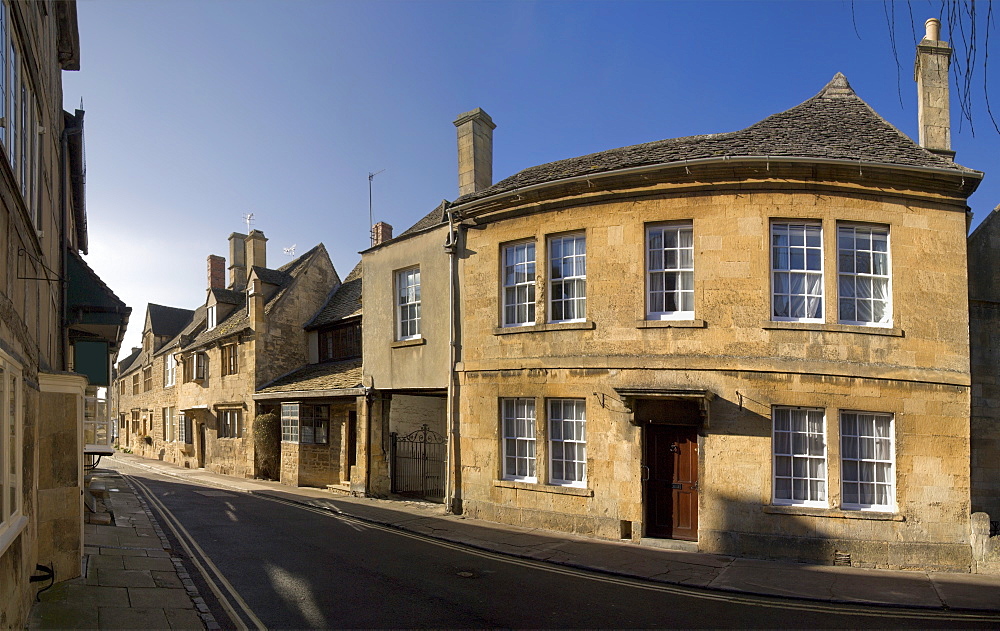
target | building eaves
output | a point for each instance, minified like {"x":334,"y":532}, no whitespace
{"x":836,"y":124}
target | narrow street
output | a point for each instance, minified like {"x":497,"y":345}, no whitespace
{"x":262,"y":563}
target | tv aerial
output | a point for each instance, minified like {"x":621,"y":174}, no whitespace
{"x":248,"y":219}
{"x":290,"y":251}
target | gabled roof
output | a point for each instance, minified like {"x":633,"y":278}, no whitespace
{"x":228,"y":296}
{"x":126,"y":363}
{"x":318,"y":377}
{"x":834,"y":124}
{"x":344,"y":302}
{"x":238,"y":320}
{"x":168,"y":321}
{"x":270,"y":276}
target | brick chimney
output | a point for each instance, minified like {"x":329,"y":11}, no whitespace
{"x":475,"y":151}
{"x":216,"y":272}
{"x":237,"y":261}
{"x":930,"y":71}
{"x":381,"y":232}
{"x":256,"y":249}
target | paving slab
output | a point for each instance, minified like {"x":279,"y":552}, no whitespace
{"x":148,"y":563}
{"x":183,"y":619}
{"x":167,"y":579}
{"x":160,"y":597}
{"x":125,"y":578}
{"x":123,"y":552}
{"x":967,"y":591}
{"x":69,"y":614}
{"x":131,"y":618}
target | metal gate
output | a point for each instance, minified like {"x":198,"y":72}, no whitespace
{"x":417,"y":461}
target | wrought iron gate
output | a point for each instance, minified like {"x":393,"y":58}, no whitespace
{"x":417,"y":461}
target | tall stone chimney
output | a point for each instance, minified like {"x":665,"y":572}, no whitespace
{"x":237,"y":261}
{"x":216,"y":272}
{"x":930,"y":71}
{"x":255,"y":306}
{"x":475,"y":151}
{"x":381,"y":232}
{"x":256,"y":248}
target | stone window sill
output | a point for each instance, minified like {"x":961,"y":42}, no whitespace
{"x":671,"y":324}
{"x":11,"y":532}
{"x":550,"y":326}
{"x":420,"y":341}
{"x":833,"y":513}
{"x":833,"y":328}
{"x":544,"y":488}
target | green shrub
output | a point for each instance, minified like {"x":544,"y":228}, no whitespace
{"x":267,"y":446}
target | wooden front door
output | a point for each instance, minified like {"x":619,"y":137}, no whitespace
{"x":671,"y":480}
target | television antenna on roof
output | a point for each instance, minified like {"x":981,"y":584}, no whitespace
{"x":371,"y":220}
{"x":248,"y":218}
{"x":290,"y":251}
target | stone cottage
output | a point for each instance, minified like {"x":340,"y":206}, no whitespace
{"x":187,"y":397}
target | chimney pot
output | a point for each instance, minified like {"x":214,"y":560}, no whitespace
{"x":475,"y":151}
{"x":933,"y":29}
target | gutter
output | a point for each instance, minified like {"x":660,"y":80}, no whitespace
{"x":767,"y":160}
{"x":451,"y":478}
{"x":310,"y":394}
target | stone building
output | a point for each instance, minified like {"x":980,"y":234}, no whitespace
{"x":55,"y":345}
{"x":187,"y":397}
{"x":751,"y":343}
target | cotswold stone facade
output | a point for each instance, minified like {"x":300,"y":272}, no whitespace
{"x":187,"y":396}
{"x":59,"y":323}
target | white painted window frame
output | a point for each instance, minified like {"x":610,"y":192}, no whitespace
{"x":407,"y":285}
{"x":798,"y":454}
{"x":568,"y":270}
{"x":518,"y":439}
{"x":670,"y":263}
{"x":169,"y":370}
{"x":568,"y":433}
{"x":888,"y":459}
{"x":517,"y":278}
{"x":786,"y":274}
{"x":12,"y":519}
{"x":869,"y":258}
{"x":211,"y":317}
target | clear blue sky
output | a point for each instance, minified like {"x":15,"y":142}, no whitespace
{"x":201,"y":111}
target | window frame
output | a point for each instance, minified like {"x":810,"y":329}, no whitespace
{"x":888,"y":315}
{"x":529,"y":285}
{"x":791,"y":453}
{"x":530,"y":439}
{"x":135,"y":383}
{"x":554,"y":418}
{"x":230,"y":359}
{"x":211,"y":318}
{"x":806,"y":271}
{"x":578,"y":260}
{"x":407,"y":279}
{"x":169,"y":370}
{"x":230,"y":422}
{"x":340,"y":342}
{"x":890,"y":506}
{"x":12,"y":518}
{"x":147,"y":378}
{"x":170,"y":424}
{"x":682,"y":273}
{"x":293,"y":426}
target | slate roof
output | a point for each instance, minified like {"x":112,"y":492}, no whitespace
{"x":834,"y":124}
{"x":344,"y":302}
{"x":228,"y":296}
{"x":127,"y":363}
{"x":433,"y":218}
{"x":168,"y":321}
{"x":325,"y":376}
{"x":239,"y":319}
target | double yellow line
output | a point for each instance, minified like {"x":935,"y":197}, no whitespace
{"x":216,"y":581}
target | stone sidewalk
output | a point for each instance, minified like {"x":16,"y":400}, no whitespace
{"x":130,"y":579}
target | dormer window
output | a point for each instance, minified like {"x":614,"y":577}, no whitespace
{"x":211,"y":318}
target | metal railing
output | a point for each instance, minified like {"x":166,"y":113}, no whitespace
{"x":418,"y":464}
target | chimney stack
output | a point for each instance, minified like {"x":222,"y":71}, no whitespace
{"x":930,"y":71}
{"x":381,"y":232}
{"x":256,"y":248}
{"x":475,"y":151}
{"x":216,"y":272}
{"x":256,"y":306}
{"x":237,"y":261}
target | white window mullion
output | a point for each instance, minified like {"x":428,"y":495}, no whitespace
{"x":799,"y":456}
{"x":568,"y":278}
{"x":864,"y":279}
{"x":518,"y":431}
{"x":867,"y":461}
{"x":408,"y":304}
{"x":567,"y":442}
{"x":670,"y":272}
{"x":797,"y":272}
{"x":519,"y":284}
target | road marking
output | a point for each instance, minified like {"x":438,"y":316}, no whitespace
{"x":184,"y":537}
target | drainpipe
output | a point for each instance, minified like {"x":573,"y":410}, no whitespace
{"x":451,"y":247}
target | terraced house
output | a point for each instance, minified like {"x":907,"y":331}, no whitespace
{"x":187,"y":395}
{"x":59,"y":323}
{"x":751,"y":343}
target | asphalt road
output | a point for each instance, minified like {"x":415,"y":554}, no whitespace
{"x":295,"y":567}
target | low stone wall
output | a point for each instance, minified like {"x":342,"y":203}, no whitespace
{"x":985,"y":549}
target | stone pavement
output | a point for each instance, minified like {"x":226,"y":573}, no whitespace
{"x":130,"y":579}
{"x":922,"y":590}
